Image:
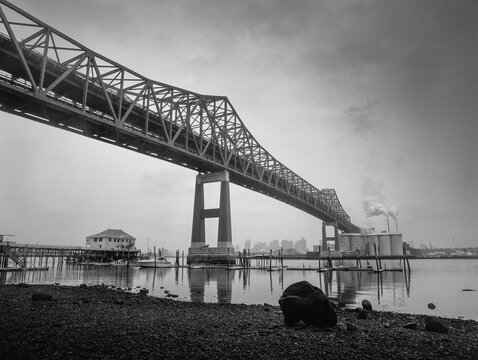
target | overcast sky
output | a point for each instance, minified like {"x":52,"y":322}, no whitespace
{"x":376,"y":99}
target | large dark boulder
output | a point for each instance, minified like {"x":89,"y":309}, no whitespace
{"x":303,"y":301}
{"x":434,"y":324}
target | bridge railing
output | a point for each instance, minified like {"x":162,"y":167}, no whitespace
{"x":58,"y":69}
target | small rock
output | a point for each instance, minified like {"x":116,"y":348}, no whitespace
{"x":341,"y":304}
{"x":431,"y":306}
{"x":366,"y":305}
{"x":436,"y":325}
{"x":143,"y":291}
{"x":468,"y":290}
{"x":83,"y":286}
{"x":41,"y":297}
{"x":410,"y":325}
{"x":299,"y":325}
{"x":351,"y":327}
{"x":362,"y":314}
{"x":342,"y":327}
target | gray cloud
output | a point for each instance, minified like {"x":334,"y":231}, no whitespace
{"x":362,"y":118}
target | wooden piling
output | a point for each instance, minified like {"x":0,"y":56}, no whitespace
{"x":376,"y":256}
{"x":329,"y":260}
{"x":320,"y":250}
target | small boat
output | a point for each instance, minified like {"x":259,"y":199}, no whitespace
{"x":198,"y":266}
{"x":277,"y":268}
{"x":159,"y":262}
{"x":123,"y":262}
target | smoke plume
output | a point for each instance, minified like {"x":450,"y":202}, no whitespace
{"x":373,"y":200}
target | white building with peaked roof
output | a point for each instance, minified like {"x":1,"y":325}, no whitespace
{"x":111,"y":239}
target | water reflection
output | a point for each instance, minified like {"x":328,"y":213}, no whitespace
{"x":389,"y":290}
{"x":344,"y":286}
{"x":200,"y":278}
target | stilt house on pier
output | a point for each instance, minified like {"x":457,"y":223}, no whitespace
{"x":111,"y":239}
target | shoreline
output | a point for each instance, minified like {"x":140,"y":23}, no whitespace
{"x":97,"y":322}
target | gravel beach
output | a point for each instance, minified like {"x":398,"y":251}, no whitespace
{"x":98,"y":322}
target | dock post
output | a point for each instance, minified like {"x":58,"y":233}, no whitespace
{"x":320,"y":250}
{"x":376,"y":256}
{"x":329,"y":260}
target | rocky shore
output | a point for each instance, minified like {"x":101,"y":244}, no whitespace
{"x":98,"y":322}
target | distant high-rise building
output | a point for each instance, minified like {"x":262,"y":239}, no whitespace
{"x":260,"y":247}
{"x":247,"y":244}
{"x":275,"y":245}
{"x":301,"y":245}
{"x":287,"y":244}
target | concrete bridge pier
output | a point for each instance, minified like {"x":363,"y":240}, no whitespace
{"x":199,"y":251}
{"x":334,"y":238}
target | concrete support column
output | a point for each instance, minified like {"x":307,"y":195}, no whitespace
{"x":198,"y":236}
{"x":224,"y":235}
{"x":335,"y":238}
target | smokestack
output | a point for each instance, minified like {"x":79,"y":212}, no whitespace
{"x":388,"y":224}
{"x":396,"y":223}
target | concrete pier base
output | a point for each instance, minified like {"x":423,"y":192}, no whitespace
{"x":199,"y":252}
{"x":211,"y":256}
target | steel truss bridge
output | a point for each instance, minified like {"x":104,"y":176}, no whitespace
{"x":49,"y":77}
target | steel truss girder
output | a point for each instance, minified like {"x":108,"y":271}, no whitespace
{"x":48,"y":73}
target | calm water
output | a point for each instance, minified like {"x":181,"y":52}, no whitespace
{"x":438,"y":281}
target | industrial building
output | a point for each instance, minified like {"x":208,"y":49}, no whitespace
{"x":383,"y":244}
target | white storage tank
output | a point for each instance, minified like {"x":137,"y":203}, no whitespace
{"x":396,"y":244}
{"x":371,"y":239}
{"x":384,"y":244}
{"x":356,"y":242}
{"x":344,"y":242}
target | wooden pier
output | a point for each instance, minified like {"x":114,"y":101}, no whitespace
{"x":26,"y":256}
